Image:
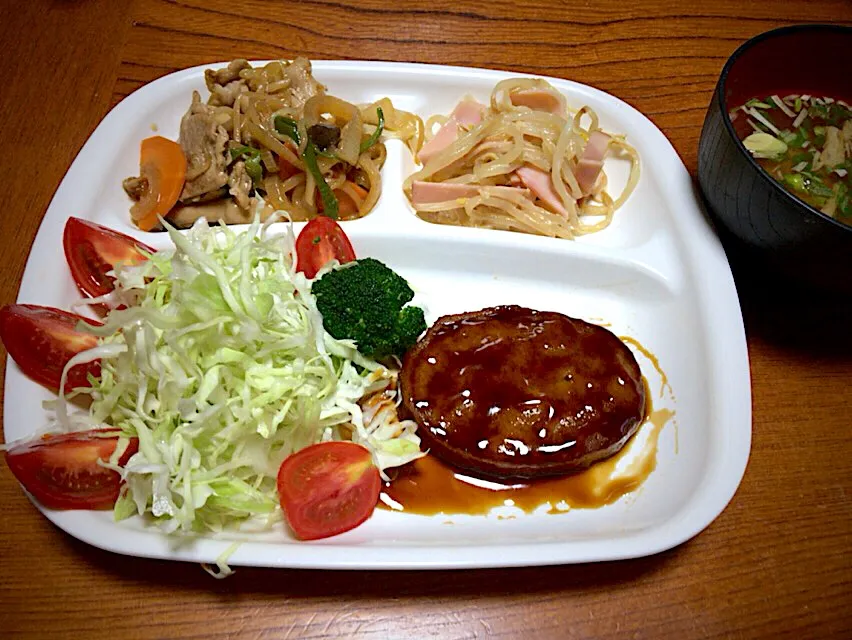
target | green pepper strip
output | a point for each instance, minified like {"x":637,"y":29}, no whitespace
{"x":287,"y":127}
{"x":252,"y":161}
{"x":329,"y":200}
{"x":369,"y":142}
{"x":254,"y":170}
{"x":290,"y":128}
{"x":248,"y":152}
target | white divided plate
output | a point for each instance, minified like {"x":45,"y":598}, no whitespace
{"x":658,"y":274}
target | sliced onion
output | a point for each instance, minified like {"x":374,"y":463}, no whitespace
{"x":348,"y":148}
{"x":268,"y":160}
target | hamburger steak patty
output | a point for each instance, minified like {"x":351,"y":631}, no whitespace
{"x":510,"y":392}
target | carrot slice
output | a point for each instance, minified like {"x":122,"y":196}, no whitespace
{"x":285,"y":169}
{"x":163,"y":164}
{"x":361,"y":191}
{"x":348,"y":205}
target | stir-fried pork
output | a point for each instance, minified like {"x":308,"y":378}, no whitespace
{"x":203,"y":141}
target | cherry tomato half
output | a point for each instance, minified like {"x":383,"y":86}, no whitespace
{"x":328,"y":488}
{"x":92,"y":250}
{"x":41,"y":340}
{"x":321,"y":240}
{"x":62,"y":472}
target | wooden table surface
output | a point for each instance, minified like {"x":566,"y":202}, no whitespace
{"x":777,"y":562}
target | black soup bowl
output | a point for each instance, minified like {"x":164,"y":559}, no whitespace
{"x":751,"y":209}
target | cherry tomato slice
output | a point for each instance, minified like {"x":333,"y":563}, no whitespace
{"x":62,"y":472}
{"x":321,"y":240}
{"x":92,"y":250}
{"x":41,"y":340}
{"x":328,"y":488}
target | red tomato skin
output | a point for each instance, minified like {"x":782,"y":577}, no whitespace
{"x":327,"y":489}
{"x":62,"y":472}
{"x":41,"y":340}
{"x":92,"y":250}
{"x":321,"y":240}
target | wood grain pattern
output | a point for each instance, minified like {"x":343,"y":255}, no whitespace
{"x":776,"y":563}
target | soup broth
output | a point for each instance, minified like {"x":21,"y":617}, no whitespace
{"x":805,"y":143}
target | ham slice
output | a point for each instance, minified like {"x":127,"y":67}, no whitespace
{"x":588,"y":169}
{"x":591,"y":161}
{"x":468,"y":112}
{"x":430,"y":192}
{"x":444,"y":138}
{"x":541,"y":185}
{"x":539,"y":100}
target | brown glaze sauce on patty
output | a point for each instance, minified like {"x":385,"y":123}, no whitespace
{"x":510,"y":392}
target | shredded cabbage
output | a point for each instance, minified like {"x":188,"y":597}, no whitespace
{"x":218,"y":362}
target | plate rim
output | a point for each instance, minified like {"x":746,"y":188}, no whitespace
{"x":693,"y":228}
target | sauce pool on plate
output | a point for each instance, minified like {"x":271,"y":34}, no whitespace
{"x":429,"y":486}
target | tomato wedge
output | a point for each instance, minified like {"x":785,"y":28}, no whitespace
{"x":328,"y":488}
{"x":162,"y":164}
{"x":92,"y":251}
{"x":41,"y":340}
{"x":62,"y":472}
{"x":321,"y":240}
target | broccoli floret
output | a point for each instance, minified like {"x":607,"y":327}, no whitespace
{"x":365,"y":302}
